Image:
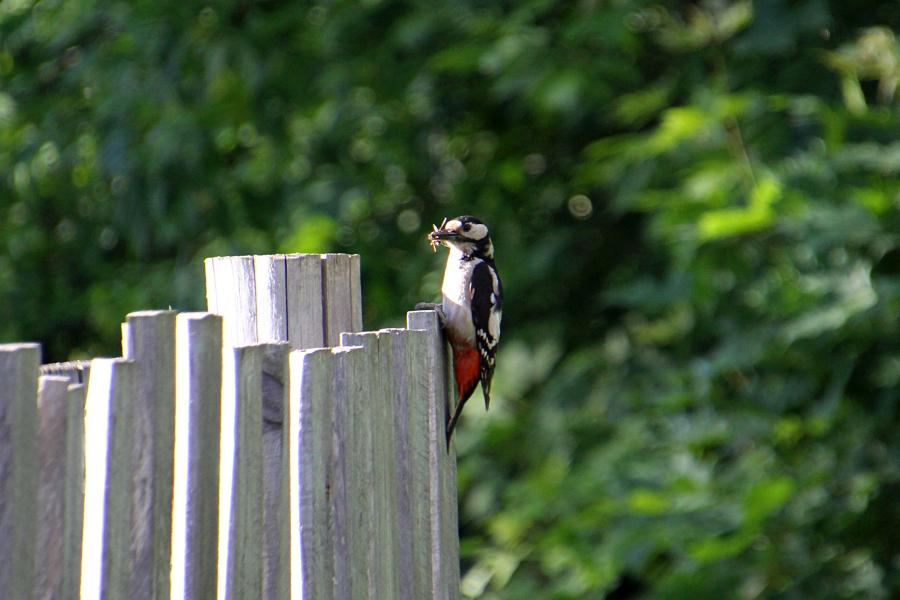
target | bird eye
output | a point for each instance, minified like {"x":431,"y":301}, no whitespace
{"x":466,"y":227}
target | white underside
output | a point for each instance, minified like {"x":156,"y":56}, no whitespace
{"x":456,"y":304}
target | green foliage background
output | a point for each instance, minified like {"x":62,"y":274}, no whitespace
{"x":695,"y":208}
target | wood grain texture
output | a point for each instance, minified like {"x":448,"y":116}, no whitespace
{"x":419,"y":447}
{"x":339,"y":522}
{"x":356,"y":308}
{"x":361,"y":369}
{"x":150,"y":343}
{"x":351,"y":465}
{"x":19,"y":460}
{"x":198,"y":377}
{"x":305,"y":320}
{"x":271,"y":297}
{"x":442,"y":462}
{"x":339,"y":302}
{"x":109,"y":441}
{"x":53,"y":396}
{"x":231,"y":289}
{"x":399,"y":368}
{"x":274,"y":386}
{"x":212,"y":294}
{"x":379,"y":397}
{"x":73,"y":515}
{"x":241,"y":475}
{"x":309,"y":451}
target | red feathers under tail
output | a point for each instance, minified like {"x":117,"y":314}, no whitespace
{"x":466,"y":371}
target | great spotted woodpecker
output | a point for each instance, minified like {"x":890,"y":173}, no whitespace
{"x":471,"y":306}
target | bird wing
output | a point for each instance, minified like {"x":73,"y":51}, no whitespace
{"x":486,"y":311}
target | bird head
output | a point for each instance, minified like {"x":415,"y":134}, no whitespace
{"x":466,"y":233}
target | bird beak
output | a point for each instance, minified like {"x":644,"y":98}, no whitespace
{"x":441,"y":235}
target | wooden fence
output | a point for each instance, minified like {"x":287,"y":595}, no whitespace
{"x":265,"y":449}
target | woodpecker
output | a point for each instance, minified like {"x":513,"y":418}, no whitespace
{"x":472,"y":305}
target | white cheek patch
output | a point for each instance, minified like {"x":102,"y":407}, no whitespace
{"x":477,"y":231}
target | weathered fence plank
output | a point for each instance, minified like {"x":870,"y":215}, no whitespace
{"x":150,"y":343}
{"x":379,"y":398}
{"x":241,"y":475}
{"x":73,"y":510}
{"x":19,"y":366}
{"x":250,"y":554}
{"x":418,"y":440}
{"x":275,"y":554}
{"x":109,"y":441}
{"x":345,"y":572}
{"x":198,"y":376}
{"x":358,"y":413}
{"x":442,"y":460}
{"x":53,"y":399}
{"x":356,"y":317}
{"x":271,"y":297}
{"x":309,"y":449}
{"x":305,"y":322}
{"x":338,"y":296}
{"x":400,"y":372}
{"x":231,"y":292}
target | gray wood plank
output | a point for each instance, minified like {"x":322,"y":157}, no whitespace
{"x":212,"y":294}
{"x":305,"y":321}
{"x":442,"y":462}
{"x":19,"y":459}
{"x":150,"y":343}
{"x":420,"y":445}
{"x":53,"y":396}
{"x":400,"y":371}
{"x":309,"y":450}
{"x":356,"y":308}
{"x":234,"y":297}
{"x":339,"y":520}
{"x":360,"y":370}
{"x":109,"y":440}
{"x":198,"y":376}
{"x":379,"y":398}
{"x":241,"y":475}
{"x":274,"y":386}
{"x":351,"y":458}
{"x":271,"y":297}
{"x":73,"y":516}
{"x":337,"y":297}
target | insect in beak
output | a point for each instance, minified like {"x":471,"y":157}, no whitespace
{"x":433,"y":241}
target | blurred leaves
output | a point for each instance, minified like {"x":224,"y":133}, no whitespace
{"x":695,"y":208}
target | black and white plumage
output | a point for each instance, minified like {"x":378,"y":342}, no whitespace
{"x":472,"y":305}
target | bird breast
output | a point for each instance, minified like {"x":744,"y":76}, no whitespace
{"x":457,"y":301}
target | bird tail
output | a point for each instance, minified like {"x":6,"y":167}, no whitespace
{"x":452,"y":424}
